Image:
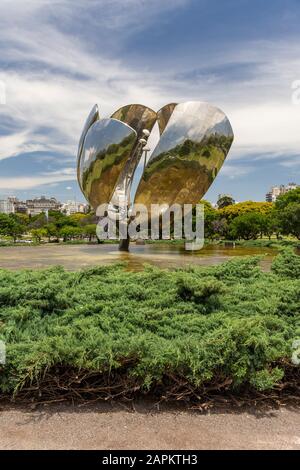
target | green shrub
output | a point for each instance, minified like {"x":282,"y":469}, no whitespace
{"x":204,"y":292}
{"x":200,"y":323}
{"x":287,"y":264}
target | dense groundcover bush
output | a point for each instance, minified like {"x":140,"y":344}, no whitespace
{"x":148,"y":330}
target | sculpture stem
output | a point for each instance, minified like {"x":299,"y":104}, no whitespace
{"x":125,"y":238}
{"x":124,"y":244}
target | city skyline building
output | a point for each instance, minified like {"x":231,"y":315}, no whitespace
{"x":38,"y":205}
{"x":277,"y":191}
{"x":72,"y":207}
{"x":35,"y":206}
{"x":7,"y":206}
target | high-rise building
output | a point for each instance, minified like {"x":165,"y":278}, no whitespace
{"x":277,"y":191}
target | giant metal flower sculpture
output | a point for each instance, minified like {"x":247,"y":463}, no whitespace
{"x":195,"y":138}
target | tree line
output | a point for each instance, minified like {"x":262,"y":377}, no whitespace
{"x":250,"y":220}
{"x":246,"y":220}
{"x":55,"y":226}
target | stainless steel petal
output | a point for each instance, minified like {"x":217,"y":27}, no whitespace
{"x":191,"y":151}
{"x":140,"y":118}
{"x":163,"y":116}
{"x":137,"y":116}
{"x":107,"y":146}
{"x":92,"y":117}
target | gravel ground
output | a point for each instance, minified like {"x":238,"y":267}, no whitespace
{"x":109,"y":428}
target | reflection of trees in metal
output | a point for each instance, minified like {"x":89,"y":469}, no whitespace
{"x":92,"y":117}
{"x":137,"y":116}
{"x":163,"y":116}
{"x":142,"y":120}
{"x":186,"y":160}
{"x":195,"y":140}
{"x":184,"y":173}
{"x":108,"y":145}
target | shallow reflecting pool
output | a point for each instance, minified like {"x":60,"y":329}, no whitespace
{"x":163,"y":255}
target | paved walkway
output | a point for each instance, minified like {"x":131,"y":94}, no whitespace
{"x":98,"y":427}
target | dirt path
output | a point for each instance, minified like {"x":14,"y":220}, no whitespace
{"x":68,"y":427}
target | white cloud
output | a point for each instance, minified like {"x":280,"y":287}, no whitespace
{"x":259,"y":102}
{"x":271,"y":129}
{"x":11,"y":145}
{"x":48,"y":92}
{"x":46,"y":89}
{"x":16,"y":183}
{"x":232,"y":171}
{"x":292,"y":163}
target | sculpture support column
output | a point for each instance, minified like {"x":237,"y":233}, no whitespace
{"x":124,"y":244}
{"x":125,"y":238}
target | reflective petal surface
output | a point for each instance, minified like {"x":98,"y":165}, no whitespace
{"x":191,"y":151}
{"x":92,"y":117}
{"x":195,"y":140}
{"x":140,"y":118}
{"x":106,"y":148}
{"x":137,"y":116}
{"x":163,"y":116}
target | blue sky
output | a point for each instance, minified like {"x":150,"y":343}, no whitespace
{"x":60,"y":57}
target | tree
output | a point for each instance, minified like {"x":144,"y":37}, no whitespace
{"x":38,"y":221}
{"x":230,"y":212}
{"x":68,"y":232}
{"x":16,"y":230}
{"x":266,"y":226}
{"x":11,"y":226}
{"x":225,"y":201}
{"x":87,"y":219}
{"x":220,"y":227}
{"x":287,"y":208}
{"x":289,"y":218}
{"x":21,"y":218}
{"x":246,"y":226}
{"x":89,"y":231}
{"x":210,"y":215}
{"x":39,"y":233}
{"x":51,"y":230}
{"x":4,"y":222}
{"x":76,"y":218}
{"x":287,"y":198}
{"x":59,"y":219}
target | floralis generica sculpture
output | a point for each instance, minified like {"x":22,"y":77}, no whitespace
{"x":195,"y":138}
